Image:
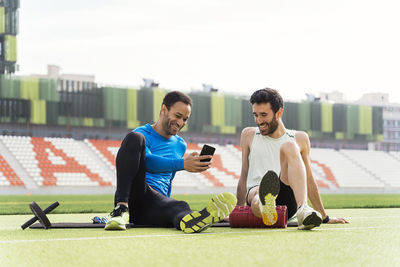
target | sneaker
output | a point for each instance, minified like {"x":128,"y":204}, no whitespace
{"x":292,"y":221}
{"x":308,"y":218}
{"x":118,"y":218}
{"x":219,"y":207}
{"x":268,"y":191}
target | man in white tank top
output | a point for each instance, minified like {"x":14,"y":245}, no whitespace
{"x":276,"y":167}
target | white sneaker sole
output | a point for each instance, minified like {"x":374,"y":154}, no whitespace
{"x":113,"y":225}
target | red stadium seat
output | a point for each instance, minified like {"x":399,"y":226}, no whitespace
{"x":8,"y":173}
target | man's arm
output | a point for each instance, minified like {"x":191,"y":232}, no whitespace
{"x":245,"y":140}
{"x":191,"y":163}
{"x":312,"y":187}
{"x":157,"y":164}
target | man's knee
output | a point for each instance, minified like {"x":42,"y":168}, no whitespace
{"x":134,"y":139}
{"x":290,"y":149}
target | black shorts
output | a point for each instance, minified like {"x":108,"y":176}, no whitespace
{"x":285,"y":198}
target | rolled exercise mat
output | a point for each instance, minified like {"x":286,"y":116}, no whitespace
{"x":243,"y":217}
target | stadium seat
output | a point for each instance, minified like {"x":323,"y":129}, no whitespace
{"x":50,"y":161}
{"x":7,"y":175}
{"x":106,"y":149}
{"x":346,"y":172}
{"x":69,"y":162}
{"x":381,"y":165}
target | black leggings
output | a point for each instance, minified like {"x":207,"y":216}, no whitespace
{"x":146,"y":205}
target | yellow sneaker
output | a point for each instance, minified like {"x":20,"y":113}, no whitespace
{"x":268,"y":192}
{"x":219,"y":207}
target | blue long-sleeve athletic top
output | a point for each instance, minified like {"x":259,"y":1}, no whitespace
{"x":164,"y":157}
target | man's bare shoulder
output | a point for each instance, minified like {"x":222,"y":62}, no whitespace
{"x":248,"y":131}
{"x":246,"y":137}
{"x":301,"y":134}
{"x":302,"y":138}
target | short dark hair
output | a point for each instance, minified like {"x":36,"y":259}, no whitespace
{"x":267,"y":95}
{"x":175,"y":96}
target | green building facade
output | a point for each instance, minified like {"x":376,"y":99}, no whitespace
{"x":38,"y":101}
{"x":8,"y":35}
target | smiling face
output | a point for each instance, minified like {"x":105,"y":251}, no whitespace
{"x":265,"y":118}
{"x":174,"y":119}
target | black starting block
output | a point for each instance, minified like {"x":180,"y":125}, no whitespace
{"x":40,"y":215}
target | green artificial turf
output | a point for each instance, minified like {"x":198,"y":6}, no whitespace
{"x":19,"y":204}
{"x":370,"y":239}
{"x":333,"y":201}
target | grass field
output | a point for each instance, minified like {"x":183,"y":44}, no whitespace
{"x":19,"y":204}
{"x":370,"y":239}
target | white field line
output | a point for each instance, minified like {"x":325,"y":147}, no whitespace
{"x":347,"y":218}
{"x":372,"y":217}
{"x":179,"y":234}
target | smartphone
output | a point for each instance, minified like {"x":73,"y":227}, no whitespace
{"x":207,"y":150}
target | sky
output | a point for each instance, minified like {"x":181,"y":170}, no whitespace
{"x":296,"y":47}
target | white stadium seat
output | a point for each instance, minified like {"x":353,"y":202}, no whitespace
{"x":68,"y":162}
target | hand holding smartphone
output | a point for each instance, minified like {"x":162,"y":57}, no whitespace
{"x":207,"y":150}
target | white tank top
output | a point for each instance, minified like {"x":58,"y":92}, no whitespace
{"x":265,"y":155}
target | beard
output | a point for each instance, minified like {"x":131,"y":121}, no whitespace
{"x":272,"y":126}
{"x":168,"y":127}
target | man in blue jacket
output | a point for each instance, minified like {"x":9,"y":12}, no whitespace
{"x":146,"y":164}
